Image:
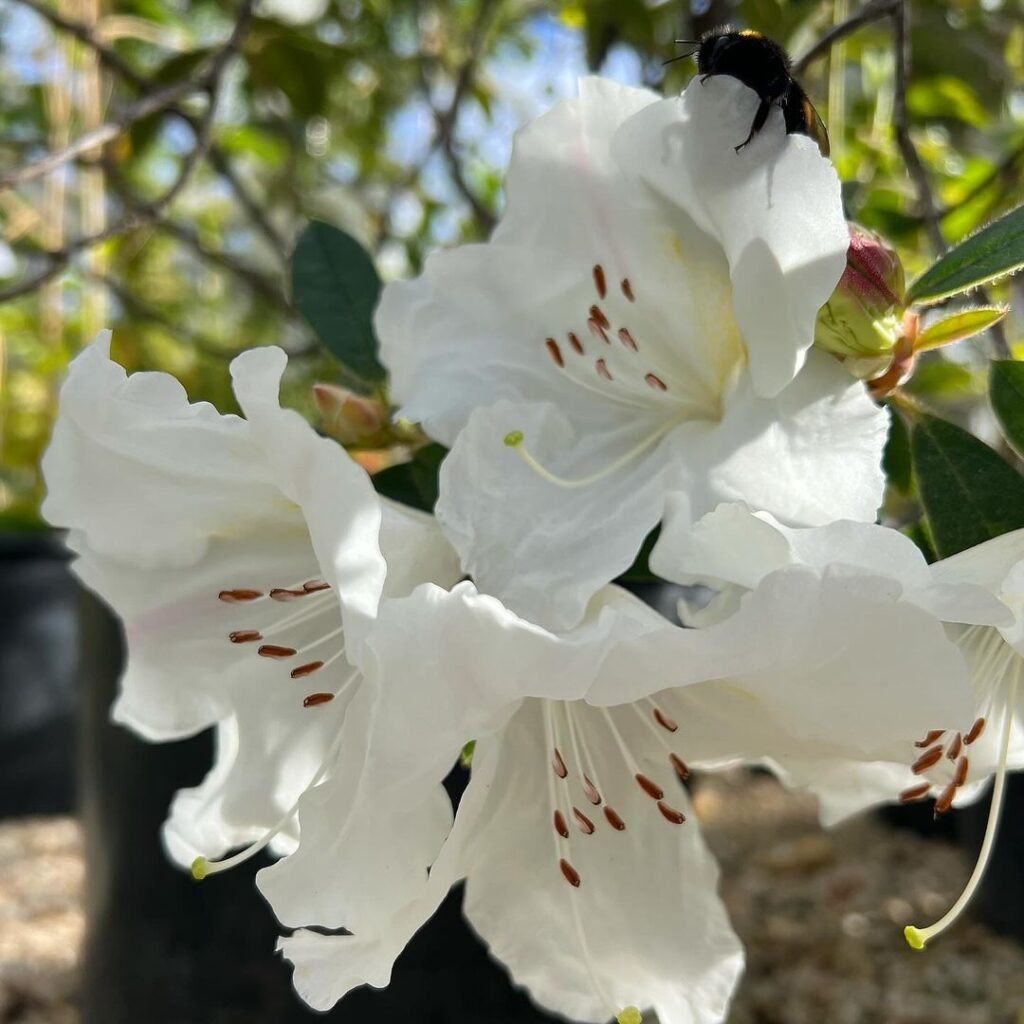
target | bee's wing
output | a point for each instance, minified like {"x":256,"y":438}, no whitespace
{"x":801,"y":117}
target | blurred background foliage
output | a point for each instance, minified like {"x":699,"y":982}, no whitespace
{"x":393,"y":119}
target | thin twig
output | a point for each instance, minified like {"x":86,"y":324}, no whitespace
{"x":927,"y":209}
{"x":444,"y":120}
{"x":874,"y":10}
{"x":149,"y":104}
{"x":901,"y":124}
{"x":113,"y":62}
{"x":144,"y":213}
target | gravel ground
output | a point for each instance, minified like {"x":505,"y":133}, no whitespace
{"x":821,"y":916}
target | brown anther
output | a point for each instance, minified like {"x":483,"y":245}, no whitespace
{"x":591,"y":791}
{"x":597,"y":314}
{"x":560,"y":826}
{"x":953,"y":750}
{"x":572,"y":876}
{"x":306,"y":670}
{"x":558,"y":763}
{"x":915,"y":793}
{"x":239,"y":595}
{"x":670,"y":814}
{"x":586,"y":826}
{"x":945,"y":801}
{"x":555,"y":352}
{"x":614,"y":820}
{"x":284,"y":594}
{"x":927,"y":760}
{"x":680,"y":766}
{"x":598,"y":331}
{"x":654,"y":381}
{"x":627,"y":289}
{"x":577,"y":345}
{"x":652,"y":789}
{"x":313,"y":586}
{"x":245,"y":636}
{"x":275,"y":651}
{"x":627,"y":339}
{"x":316,"y":699}
{"x":664,"y":721}
{"x":963,"y":766}
{"x":599,"y":282}
{"x":602,"y":369}
{"x":975,"y":731}
{"x":930,"y":738}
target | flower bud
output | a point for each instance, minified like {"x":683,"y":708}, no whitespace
{"x":348,"y":417}
{"x":862,"y":320}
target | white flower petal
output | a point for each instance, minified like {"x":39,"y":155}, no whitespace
{"x":775,"y":207}
{"x":545,"y":548}
{"x":147,"y":476}
{"x":808,"y":456}
{"x":645,"y":927}
{"x":811,"y":666}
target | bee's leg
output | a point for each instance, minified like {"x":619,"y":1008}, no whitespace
{"x":759,"y":119}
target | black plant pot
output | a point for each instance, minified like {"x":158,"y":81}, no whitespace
{"x":163,"y":949}
{"x":37,"y":676}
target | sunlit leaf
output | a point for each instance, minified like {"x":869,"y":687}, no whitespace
{"x":964,"y":324}
{"x":993,"y":252}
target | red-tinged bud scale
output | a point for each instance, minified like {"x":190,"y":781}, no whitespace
{"x":347,"y":417}
{"x":863,"y":319}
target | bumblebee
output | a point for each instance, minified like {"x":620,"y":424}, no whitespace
{"x":763,"y":65}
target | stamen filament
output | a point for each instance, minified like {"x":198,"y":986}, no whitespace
{"x":203,"y":868}
{"x":918,"y":938}
{"x":516,"y":441}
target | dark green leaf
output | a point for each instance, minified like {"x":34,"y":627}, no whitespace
{"x":969,"y":493}
{"x":413,"y":483}
{"x":336,"y":288}
{"x":640,"y":570}
{"x":994,"y":251}
{"x":896,"y":457}
{"x":1006,"y":392}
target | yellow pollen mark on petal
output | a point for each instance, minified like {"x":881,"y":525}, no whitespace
{"x":514,"y":438}
{"x":199,"y":866}
{"x":914,"y":936}
{"x":630,"y":1015}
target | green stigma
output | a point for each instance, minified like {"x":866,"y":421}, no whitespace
{"x":514,"y":438}
{"x":915,"y":937}
{"x":199,"y":866}
{"x":630,"y":1015}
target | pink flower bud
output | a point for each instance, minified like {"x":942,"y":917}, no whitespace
{"x":862,"y":320}
{"x":346,"y":416}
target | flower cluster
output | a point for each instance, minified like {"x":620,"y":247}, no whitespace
{"x":632,"y":351}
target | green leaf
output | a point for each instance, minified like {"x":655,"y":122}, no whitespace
{"x":896,"y":462}
{"x":969,"y":493}
{"x":994,"y":251}
{"x":336,"y":288}
{"x":1006,"y":393}
{"x":413,"y":483}
{"x":946,"y":96}
{"x":959,"y":326}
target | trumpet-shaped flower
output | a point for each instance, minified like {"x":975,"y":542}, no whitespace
{"x":245,"y":558}
{"x":978,"y":593}
{"x":585,"y":871}
{"x":638,"y":323}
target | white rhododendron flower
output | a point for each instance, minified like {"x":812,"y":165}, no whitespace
{"x":245,"y":558}
{"x":585,"y":872}
{"x":978,"y":593}
{"x":639,"y":322}
{"x":588,"y":887}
